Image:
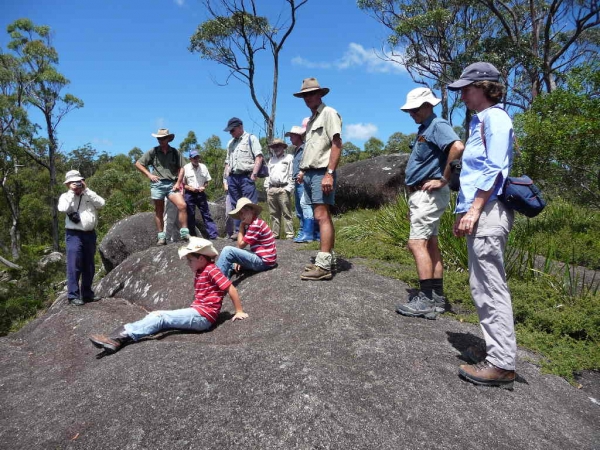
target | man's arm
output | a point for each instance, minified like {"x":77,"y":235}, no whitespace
{"x":177,"y":184}
{"x":334,"y":159}
{"x":257,"y":163}
{"x":139,"y":166}
{"x":455,"y":151}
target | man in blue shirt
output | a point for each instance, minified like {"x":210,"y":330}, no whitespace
{"x":427,"y":174}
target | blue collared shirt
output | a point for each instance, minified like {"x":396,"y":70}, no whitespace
{"x":487,"y":157}
{"x":429,"y":153}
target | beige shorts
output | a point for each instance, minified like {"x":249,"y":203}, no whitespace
{"x":426,"y":209}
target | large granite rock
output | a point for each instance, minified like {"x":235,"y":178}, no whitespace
{"x":317,"y":365}
{"x":370,"y":183}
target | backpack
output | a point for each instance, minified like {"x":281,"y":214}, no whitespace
{"x":263,"y":172}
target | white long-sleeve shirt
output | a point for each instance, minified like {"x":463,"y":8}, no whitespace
{"x":87,"y":203}
{"x":280,"y":172}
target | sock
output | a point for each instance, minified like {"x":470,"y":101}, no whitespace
{"x":426,"y":287}
{"x":438,"y":286}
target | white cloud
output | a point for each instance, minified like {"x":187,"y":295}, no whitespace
{"x":179,"y":2}
{"x":356,"y":56}
{"x":359,"y":131}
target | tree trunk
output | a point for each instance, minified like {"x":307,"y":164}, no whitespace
{"x":52,"y":168}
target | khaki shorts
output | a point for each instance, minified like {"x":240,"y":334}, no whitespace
{"x":426,"y":208}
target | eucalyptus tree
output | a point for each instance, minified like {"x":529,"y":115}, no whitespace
{"x":42,"y":84}
{"x":189,"y":143}
{"x":235,"y":35}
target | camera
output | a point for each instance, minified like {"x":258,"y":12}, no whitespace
{"x":74,"y":217}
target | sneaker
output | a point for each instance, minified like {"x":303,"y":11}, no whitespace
{"x":161,"y":241}
{"x":318,"y":273}
{"x":487,"y":374}
{"x":441,"y":303}
{"x":76,"y":301}
{"x":419,"y":306}
{"x":184,"y":234}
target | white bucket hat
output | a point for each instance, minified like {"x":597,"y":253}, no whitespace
{"x":244,"y":202}
{"x":417,"y":97}
{"x":296,"y":130}
{"x":73,"y":175}
{"x":164,"y":132}
{"x":198,"y":245}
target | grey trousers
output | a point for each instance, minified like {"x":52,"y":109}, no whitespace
{"x":487,"y":279}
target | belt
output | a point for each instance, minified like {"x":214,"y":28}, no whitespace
{"x":419,"y":185}
{"x":278,"y":184}
{"x":239,"y":172}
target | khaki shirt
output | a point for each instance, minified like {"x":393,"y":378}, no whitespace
{"x":165,"y":166}
{"x":320,"y":130}
{"x":241,"y":155}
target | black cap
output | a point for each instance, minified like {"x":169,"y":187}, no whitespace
{"x":479,"y":71}
{"x":233,"y":122}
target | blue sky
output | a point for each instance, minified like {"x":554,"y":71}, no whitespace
{"x":128,"y":60}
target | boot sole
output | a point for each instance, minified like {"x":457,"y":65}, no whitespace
{"x":509,"y":385}
{"x":428,"y":315}
{"x":103,"y":346}
{"x":328,"y":276}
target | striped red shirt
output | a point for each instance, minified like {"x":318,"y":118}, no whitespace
{"x":261,"y":241}
{"x":210,"y":287}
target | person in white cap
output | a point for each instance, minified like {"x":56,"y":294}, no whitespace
{"x":166,"y":178}
{"x":80,"y":204}
{"x":279,"y":186}
{"x":210,"y":286}
{"x":322,"y":151}
{"x":486,"y":222}
{"x":427,"y":174}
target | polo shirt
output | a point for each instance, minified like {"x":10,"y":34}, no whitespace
{"x":164,"y":165}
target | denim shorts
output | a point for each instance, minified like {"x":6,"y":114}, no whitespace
{"x":313,"y":193}
{"x":161,"y":189}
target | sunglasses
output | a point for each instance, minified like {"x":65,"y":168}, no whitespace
{"x":413,"y":110}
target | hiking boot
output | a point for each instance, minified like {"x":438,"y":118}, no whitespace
{"x":162,"y":239}
{"x":318,"y":273}
{"x":309,"y":267}
{"x":76,"y":301}
{"x":486,"y":374}
{"x":92,"y":299}
{"x":184,"y":234}
{"x":112,"y":343}
{"x":419,"y":306}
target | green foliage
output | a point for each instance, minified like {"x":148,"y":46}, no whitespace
{"x":559,"y":138}
{"x":399,"y":143}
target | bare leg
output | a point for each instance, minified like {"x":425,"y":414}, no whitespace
{"x":323,"y":216}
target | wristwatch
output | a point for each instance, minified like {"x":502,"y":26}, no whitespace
{"x":330,"y":171}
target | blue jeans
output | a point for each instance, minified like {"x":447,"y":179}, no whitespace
{"x":177,"y":319}
{"x":193,"y":199}
{"x":81,"y":248}
{"x":241,"y":186}
{"x":303,"y":209}
{"x":248,"y":260}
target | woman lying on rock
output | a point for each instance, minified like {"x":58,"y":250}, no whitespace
{"x":254,"y":232}
{"x":210,"y":286}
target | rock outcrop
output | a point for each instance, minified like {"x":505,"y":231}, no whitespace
{"x":326,"y":365}
{"x":370,"y":183}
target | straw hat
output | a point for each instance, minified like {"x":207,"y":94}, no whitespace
{"x":73,"y":175}
{"x":244,"y":202}
{"x":278,"y":143}
{"x":311,"y":85}
{"x":164,"y":132}
{"x":198,"y":245}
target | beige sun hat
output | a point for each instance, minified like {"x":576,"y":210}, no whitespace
{"x":244,"y":201}
{"x":310,"y":85}
{"x":198,"y":245}
{"x":296,"y":130}
{"x":417,"y":97}
{"x":164,"y":132}
{"x":73,"y":175}
{"x":278,"y":142}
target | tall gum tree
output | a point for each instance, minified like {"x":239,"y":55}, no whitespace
{"x":234,"y":36}
{"x":42,"y":86}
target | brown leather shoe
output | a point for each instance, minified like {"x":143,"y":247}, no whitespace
{"x":318,"y":273}
{"x":486,"y":374}
{"x":104,"y":342}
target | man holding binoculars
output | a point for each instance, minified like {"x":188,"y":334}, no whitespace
{"x":80,"y":204}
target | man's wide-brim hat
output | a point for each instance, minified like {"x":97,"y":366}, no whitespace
{"x":479,"y":71}
{"x":418,"y":97}
{"x":244,"y":202}
{"x":164,"y":132}
{"x":296,"y":130}
{"x":278,"y":143}
{"x":198,"y":245}
{"x":72,"y":176}
{"x":311,"y":85}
